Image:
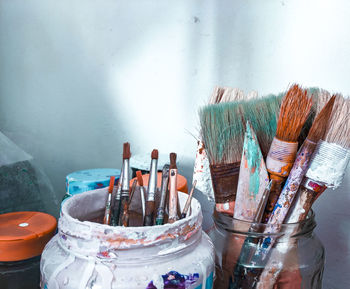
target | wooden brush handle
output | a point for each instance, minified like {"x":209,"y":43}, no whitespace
{"x":173,"y":198}
{"x":150,"y":205}
{"x":275,"y":191}
{"x":125,"y":216}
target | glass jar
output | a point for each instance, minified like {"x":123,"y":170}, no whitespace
{"x":86,"y":254}
{"x":247,"y":258}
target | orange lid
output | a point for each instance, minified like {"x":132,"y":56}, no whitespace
{"x":181,"y":182}
{"x":23,"y":235}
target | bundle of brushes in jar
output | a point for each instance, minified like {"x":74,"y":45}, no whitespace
{"x":152,"y":207}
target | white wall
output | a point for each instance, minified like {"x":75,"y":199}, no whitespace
{"x":78,"y":78}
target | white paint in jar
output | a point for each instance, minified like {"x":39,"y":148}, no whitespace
{"x":90,"y":255}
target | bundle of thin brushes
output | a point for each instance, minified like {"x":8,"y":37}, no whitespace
{"x":137,"y":206}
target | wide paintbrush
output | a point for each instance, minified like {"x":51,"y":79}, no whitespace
{"x":201,"y":171}
{"x":173,"y":196}
{"x":294,"y":112}
{"x":151,"y":190}
{"x":223,"y":127}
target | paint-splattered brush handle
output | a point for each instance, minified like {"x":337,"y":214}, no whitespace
{"x":173,"y":197}
{"x":308,"y":192}
{"x":276,"y":187}
{"x":116,"y":204}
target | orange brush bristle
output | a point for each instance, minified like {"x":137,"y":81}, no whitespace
{"x":295,"y":108}
{"x":139,"y":178}
{"x":111,"y":184}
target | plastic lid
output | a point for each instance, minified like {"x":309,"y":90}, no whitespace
{"x":23,"y":235}
{"x":181,"y":182}
{"x":87,"y":180}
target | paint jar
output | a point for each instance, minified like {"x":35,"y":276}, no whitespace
{"x":23,"y":236}
{"x":88,"y":180}
{"x":296,"y":259}
{"x":86,"y":254}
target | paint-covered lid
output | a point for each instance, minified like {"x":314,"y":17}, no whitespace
{"x":87,"y":180}
{"x":23,"y":235}
{"x":181,"y":182}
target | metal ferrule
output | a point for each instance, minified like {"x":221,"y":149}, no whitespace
{"x":164,"y":186}
{"x":119,"y":188}
{"x":125,"y":179}
{"x":328,"y":164}
{"x":152,"y":182}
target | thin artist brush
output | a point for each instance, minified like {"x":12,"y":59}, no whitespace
{"x":163,"y":195}
{"x":125,"y":216}
{"x":142,"y":193}
{"x":290,"y":189}
{"x":172,"y":189}
{"x":328,"y":163}
{"x":188,"y":201}
{"x":107,"y":216}
{"x":116,"y":203}
{"x":151,"y":190}
{"x":125,"y":181}
{"x":294,"y":111}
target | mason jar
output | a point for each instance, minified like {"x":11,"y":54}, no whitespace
{"x":88,"y":254}
{"x":246,"y":257}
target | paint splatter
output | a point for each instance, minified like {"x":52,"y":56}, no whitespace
{"x":175,"y":280}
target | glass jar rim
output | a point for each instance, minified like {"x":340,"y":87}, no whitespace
{"x":233,"y":225}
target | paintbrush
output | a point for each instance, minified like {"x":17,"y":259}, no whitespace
{"x":151,"y":190}
{"x":163,"y":195}
{"x":107,"y":216}
{"x":253,"y":178}
{"x":172,"y":189}
{"x":294,"y":112}
{"x":125,"y":181}
{"x":116,"y":204}
{"x":142,"y":193}
{"x":328,"y":163}
{"x":201,"y":171}
{"x":188,"y":201}
{"x":223,"y":127}
{"x":125,"y":216}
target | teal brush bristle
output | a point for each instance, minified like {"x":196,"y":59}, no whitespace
{"x":223,"y":126}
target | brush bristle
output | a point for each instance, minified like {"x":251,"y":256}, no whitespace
{"x":154,"y":154}
{"x":111,"y":184}
{"x":318,"y":128}
{"x":323,"y":96}
{"x":216,"y":95}
{"x":139,"y":178}
{"x":126,"y":151}
{"x":172,"y":161}
{"x":223,"y":127}
{"x":294,"y":112}
{"x":338,"y":130}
